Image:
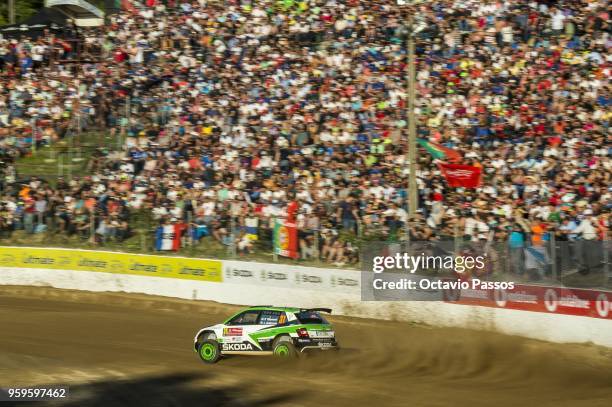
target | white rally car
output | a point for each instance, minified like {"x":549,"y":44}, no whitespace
{"x":261,"y":330}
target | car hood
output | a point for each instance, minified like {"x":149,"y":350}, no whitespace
{"x":217,"y":326}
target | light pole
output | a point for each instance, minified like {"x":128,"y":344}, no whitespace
{"x":410,"y":31}
{"x":413,"y":200}
{"x":11,"y":11}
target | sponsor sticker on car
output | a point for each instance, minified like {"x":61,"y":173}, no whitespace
{"x":321,"y":334}
{"x":232,"y":331}
{"x":236,"y":347}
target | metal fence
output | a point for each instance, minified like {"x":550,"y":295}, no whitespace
{"x":577,"y":263}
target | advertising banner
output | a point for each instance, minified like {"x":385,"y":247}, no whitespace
{"x":119,"y":263}
{"x":279,"y":275}
{"x":556,"y":300}
{"x":458,"y":175}
{"x":285,"y":239}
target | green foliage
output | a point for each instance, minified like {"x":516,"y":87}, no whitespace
{"x":23,"y":10}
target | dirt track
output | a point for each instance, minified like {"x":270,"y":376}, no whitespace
{"x":116,"y":349}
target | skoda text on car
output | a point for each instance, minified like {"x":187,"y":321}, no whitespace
{"x":267,"y":330}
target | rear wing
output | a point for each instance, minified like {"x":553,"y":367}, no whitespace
{"x":327,"y":310}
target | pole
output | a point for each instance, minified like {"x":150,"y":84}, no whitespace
{"x":143,"y":241}
{"x":606,"y":260}
{"x":92,"y":228}
{"x":11,"y":11}
{"x":412,"y":185}
{"x":33,"y":127}
{"x":128,"y":114}
{"x":456,"y":242}
{"x":190,"y":229}
{"x":232,"y":237}
{"x":316,"y":246}
{"x":274,"y":253}
{"x":126,"y":125}
{"x":78,"y":120}
{"x":60,"y":166}
{"x":553,"y":257}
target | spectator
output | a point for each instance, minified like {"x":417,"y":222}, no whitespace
{"x":227,"y":111}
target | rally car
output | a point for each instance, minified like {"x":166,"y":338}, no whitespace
{"x":266,"y":330}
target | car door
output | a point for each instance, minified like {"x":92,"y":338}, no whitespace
{"x":269,"y":321}
{"x":236,"y":332}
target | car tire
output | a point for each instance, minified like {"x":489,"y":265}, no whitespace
{"x":283,"y":347}
{"x":209,"y":351}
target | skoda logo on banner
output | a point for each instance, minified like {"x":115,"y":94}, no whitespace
{"x":312,"y":279}
{"x":231,"y":272}
{"x":268,"y":275}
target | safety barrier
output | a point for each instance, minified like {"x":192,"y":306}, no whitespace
{"x":247,"y":283}
{"x":109,"y":262}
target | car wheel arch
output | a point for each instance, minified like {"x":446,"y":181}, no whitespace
{"x":285,"y":341}
{"x":281,"y":335}
{"x":208,"y":334}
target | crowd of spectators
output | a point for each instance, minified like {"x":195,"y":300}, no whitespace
{"x":239,"y":110}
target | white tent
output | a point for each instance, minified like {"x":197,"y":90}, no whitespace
{"x":80,"y":11}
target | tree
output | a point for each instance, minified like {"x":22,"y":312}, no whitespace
{"x":23,"y":9}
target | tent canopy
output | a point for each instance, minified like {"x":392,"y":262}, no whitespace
{"x":77,"y":9}
{"x":34,"y":26}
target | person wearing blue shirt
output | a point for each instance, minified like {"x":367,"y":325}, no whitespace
{"x":566,"y":228}
{"x":516,"y":245}
{"x":26,"y":63}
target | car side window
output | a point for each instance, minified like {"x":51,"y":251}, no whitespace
{"x":272,"y":317}
{"x":245,"y":318}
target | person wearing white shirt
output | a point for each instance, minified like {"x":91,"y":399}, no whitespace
{"x":586,"y":249}
{"x":558,"y":21}
{"x":586,"y":230}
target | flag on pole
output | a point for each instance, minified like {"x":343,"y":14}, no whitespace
{"x":440,"y":152}
{"x":458,"y":175}
{"x":285,"y":239}
{"x":168,"y":237}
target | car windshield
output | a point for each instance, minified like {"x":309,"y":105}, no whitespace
{"x":310,"y":317}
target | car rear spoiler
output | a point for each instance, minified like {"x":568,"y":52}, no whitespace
{"x":328,"y":310}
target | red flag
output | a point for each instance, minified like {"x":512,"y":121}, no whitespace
{"x":458,"y":175}
{"x":292,"y":209}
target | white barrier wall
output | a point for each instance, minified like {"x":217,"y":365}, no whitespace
{"x":247,"y":283}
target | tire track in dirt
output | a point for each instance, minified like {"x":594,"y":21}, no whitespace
{"x":120,"y":349}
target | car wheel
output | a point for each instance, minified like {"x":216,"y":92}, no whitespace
{"x":209,"y":351}
{"x":283,"y":347}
